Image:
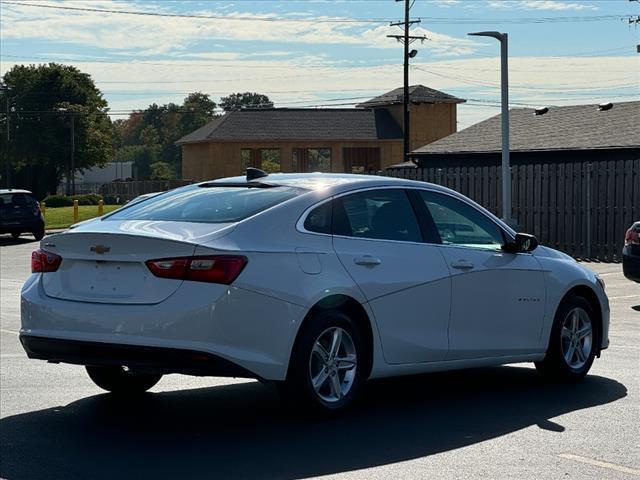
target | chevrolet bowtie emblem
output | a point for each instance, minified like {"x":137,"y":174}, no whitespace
{"x":100,"y":249}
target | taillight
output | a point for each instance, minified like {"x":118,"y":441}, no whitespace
{"x":43,"y":261}
{"x":212,"y":269}
{"x":632,"y":237}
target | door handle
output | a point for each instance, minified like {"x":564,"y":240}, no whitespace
{"x":367,"y":261}
{"x":462,"y":265}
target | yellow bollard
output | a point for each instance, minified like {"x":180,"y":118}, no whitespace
{"x":43,"y":208}
{"x":75,"y":211}
{"x":100,"y":208}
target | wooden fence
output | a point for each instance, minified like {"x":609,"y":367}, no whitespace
{"x":582,"y":209}
{"x":126,"y":191}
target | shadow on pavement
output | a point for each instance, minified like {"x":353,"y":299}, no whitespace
{"x":240,"y":431}
{"x":8,"y":240}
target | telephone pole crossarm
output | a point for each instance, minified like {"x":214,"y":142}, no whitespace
{"x":406,"y":40}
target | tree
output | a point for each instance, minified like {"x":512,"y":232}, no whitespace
{"x":238,"y":101}
{"x":168,"y":123}
{"x":197,"y":110}
{"x":161,"y":171}
{"x":45,"y":102}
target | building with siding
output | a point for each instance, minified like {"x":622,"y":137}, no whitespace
{"x":575,"y":172}
{"x":365,"y":138}
{"x":582,"y":133}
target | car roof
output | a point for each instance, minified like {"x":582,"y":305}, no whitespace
{"x":14,"y":190}
{"x":321,"y":181}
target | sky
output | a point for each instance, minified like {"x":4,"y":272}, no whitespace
{"x":321,"y":52}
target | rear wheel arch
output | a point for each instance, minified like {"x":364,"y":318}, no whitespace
{"x":590,"y":296}
{"x":355,"y":311}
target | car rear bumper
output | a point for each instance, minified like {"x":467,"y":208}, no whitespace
{"x":24,"y":225}
{"x":142,"y":358}
{"x":631,"y":263}
{"x":252,"y":331}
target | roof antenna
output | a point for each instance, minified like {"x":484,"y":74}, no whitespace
{"x":255,"y":173}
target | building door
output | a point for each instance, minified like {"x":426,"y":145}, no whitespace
{"x":361,"y":159}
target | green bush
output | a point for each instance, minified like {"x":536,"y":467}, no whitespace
{"x":88,"y":199}
{"x":54,"y":201}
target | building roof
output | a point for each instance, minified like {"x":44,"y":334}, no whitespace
{"x":576,"y":127}
{"x":279,"y":124}
{"x":417,"y":94}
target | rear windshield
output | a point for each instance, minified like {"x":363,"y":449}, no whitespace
{"x":16,"y":199}
{"x":206,"y":204}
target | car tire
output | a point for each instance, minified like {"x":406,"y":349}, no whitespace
{"x":120,"y":381}
{"x":572,"y":343}
{"x":38,"y":234}
{"x":15,"y":235}
{"x":321,"y":378}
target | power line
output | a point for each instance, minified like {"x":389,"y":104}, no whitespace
{"x":477,"y":83}
{"x":527,"y":20}
{"x":251,"y":18}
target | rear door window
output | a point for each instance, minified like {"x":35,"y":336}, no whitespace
{"x":319,"y":219}
{"x":207,"y":204}
{"x":384,"y":214}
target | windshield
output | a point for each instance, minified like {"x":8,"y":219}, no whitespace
{"x":208,"y":204}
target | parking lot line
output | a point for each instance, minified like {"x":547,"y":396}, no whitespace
{"x":624,"y":296}
{"x":9,"y":331}
{"x":599,"y":463}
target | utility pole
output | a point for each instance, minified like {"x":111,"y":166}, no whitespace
{"x":73,"y":151}
{"x":7,"y":161}
{"x":406,"y":40}
{"x":71,"y":175}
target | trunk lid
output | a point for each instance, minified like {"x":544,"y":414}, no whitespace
{"x":104,"y":262}
{"x":17,"y":206}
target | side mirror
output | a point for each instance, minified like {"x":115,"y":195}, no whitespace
{"x":522,"y":243}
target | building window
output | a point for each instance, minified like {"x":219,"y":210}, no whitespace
{"x":311,"y":160}
{"x":267,"y":159}
{"x":361,"y":159}
{"x":246,"y":159}
{"x":270,"y":160}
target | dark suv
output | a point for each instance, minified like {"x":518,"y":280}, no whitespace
{"x":20,"y":213}
{"x":631,"y":253}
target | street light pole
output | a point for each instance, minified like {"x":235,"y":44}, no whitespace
{"x":503,"y":38}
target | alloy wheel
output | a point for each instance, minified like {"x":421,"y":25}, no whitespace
{"x":332,"y":364}
{"x":576,"y":338}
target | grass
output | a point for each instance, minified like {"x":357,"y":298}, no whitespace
{"x":62,"y":217}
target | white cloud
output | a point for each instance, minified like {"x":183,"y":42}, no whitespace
{"x":534,"y":80}
{"x":446,"y":3}
{"x":148,"y":35}
{"x":554,"y":5}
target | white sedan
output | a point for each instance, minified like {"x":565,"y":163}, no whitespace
{"x":317,"y":282}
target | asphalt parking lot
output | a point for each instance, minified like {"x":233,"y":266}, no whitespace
{"x":499,"y":423}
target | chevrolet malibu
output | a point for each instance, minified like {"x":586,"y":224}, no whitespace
{"x":316,"y":282}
